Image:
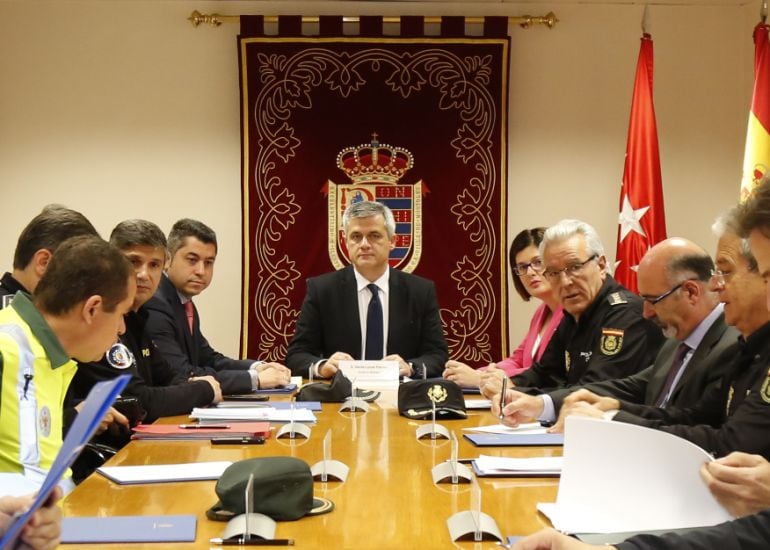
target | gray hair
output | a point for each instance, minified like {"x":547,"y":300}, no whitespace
{"x":727,"y":223}
{"x":566,"y":229}
{"x":367,"y":209}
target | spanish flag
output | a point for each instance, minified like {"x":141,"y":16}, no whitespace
{"x":757,"y":157}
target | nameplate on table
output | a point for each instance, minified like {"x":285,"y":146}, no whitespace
{"x":105,"y":529}
{"x":371,"y":375}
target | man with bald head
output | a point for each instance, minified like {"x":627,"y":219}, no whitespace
{"x":673,"y":279}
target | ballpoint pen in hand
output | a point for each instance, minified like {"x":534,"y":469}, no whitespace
{"x":501,"y":417}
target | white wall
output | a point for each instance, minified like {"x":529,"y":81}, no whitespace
{"x":122,"y":109}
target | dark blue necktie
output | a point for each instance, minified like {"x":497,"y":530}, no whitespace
{"x":374,"y":325}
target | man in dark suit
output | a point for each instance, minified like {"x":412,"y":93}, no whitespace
{"x":334,"y":323}
{"x":173,"y":321}
{"x":161,"y":391}
{"x":674,"y":278}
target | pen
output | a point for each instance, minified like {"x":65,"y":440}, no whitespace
{"x":502,"y":398}
{"x":252,"y":542}
{"x":205,"y":426}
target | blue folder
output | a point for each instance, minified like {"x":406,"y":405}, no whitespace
{"x":129,"y":529}
{"x":515,"y":440}
{"x":88,"y":419}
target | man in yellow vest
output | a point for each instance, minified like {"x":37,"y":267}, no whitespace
{"x":77,"y":312}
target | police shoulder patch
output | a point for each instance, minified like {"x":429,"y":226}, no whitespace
{"x":764,"y":393}
{"x":119,"y":356}
{"x":612,"y":341}
{"x":616,"y":298}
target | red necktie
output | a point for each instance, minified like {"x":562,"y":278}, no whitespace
{"x":188,"y":309}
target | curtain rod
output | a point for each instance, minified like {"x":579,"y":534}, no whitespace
{"x":524,"y":21}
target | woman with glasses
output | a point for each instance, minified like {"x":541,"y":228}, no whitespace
{"x":527,"y":267}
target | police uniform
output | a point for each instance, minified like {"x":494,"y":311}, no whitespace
{"x":8,"y":288}
{"x":747,"y":533}
{"x":610,"y":340}
{"x":733,"y":416}
{"x":159,"y":389}
{"x":35,"y":374}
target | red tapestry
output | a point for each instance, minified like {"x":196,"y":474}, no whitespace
{"x":418,"y":124}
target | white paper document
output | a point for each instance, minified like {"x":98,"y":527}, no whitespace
{"x":127,"y":475}
{"x":481,"y":404}
{"x":621,"y":477}
{"x":267,"y":414}
{"x":371,"y":375}
{"x":496,"y":465}
{"x":528,"y":428}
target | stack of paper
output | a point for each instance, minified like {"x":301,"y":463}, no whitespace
{"x":531,"y":434}
{"x":195,"y":431}
{"x":495,"y":466}
{"x":310,"y":405}
{"x":128,"y":475}
{"x":265,"y":414}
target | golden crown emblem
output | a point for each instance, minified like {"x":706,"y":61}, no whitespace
{"x":375,"y":162}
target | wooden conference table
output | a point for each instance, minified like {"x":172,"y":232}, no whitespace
{"x":388,"y":501}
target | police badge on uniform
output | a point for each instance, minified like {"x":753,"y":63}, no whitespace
{"x":764,"y":393}
{"x":612,"y":341}
{"x":119,"y":356}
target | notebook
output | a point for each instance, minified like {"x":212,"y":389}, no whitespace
{"x":129,"y":529}
{"x":514,"y":440}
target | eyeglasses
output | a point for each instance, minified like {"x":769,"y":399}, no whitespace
{"x":554,"y":275}
{"x":652,"y":300}
{"x":521,"y":269}
{"x":721,"y":277}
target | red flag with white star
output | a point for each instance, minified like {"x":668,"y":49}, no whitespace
{"x":642,"y":220}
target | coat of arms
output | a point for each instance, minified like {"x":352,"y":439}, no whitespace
{"x":374,"y":170}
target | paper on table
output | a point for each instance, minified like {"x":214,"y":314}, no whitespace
{"x":605,"y":462}
{"x":472,"y":404}
{"x":127,"y":475}
{"x":494,"y":465}
{"x":268,"y":414}
{"x":528,"y":428}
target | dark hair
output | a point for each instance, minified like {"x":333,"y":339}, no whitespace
{"x":82,"y":267}
{"x":527,"y":237}
{"x":130,"y":233}
{"x":755,"y":212}
{"x":697,"y":266}
{"x":46,"y":231}
{"x":190,"y":228}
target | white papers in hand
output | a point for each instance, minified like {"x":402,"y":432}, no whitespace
{"x":621,"y":477}
{"x":528,"y":428}
{"x":127,"y":475}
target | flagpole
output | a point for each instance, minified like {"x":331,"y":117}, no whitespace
{"x":524,"y":21}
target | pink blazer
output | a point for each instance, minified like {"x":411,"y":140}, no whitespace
{"x":521,"y":359}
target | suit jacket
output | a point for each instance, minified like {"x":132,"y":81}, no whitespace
{"x":704,"y":369}
{"x":190,"y":353}
{"x":733,"y":415}
{"x":328,"y":322}
{"x":521,"y":359}
{"x":748,"y":533}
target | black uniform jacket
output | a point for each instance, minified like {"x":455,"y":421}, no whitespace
{"x":160,"y":390}
{"x":610,"y":340}
{"x":706,"y":367}
{"x":733,"y":416}
{"x":329,"y":322}
{"x":8,"y":287}
{"x":190,"y":354}
{"x":749,"y":533}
